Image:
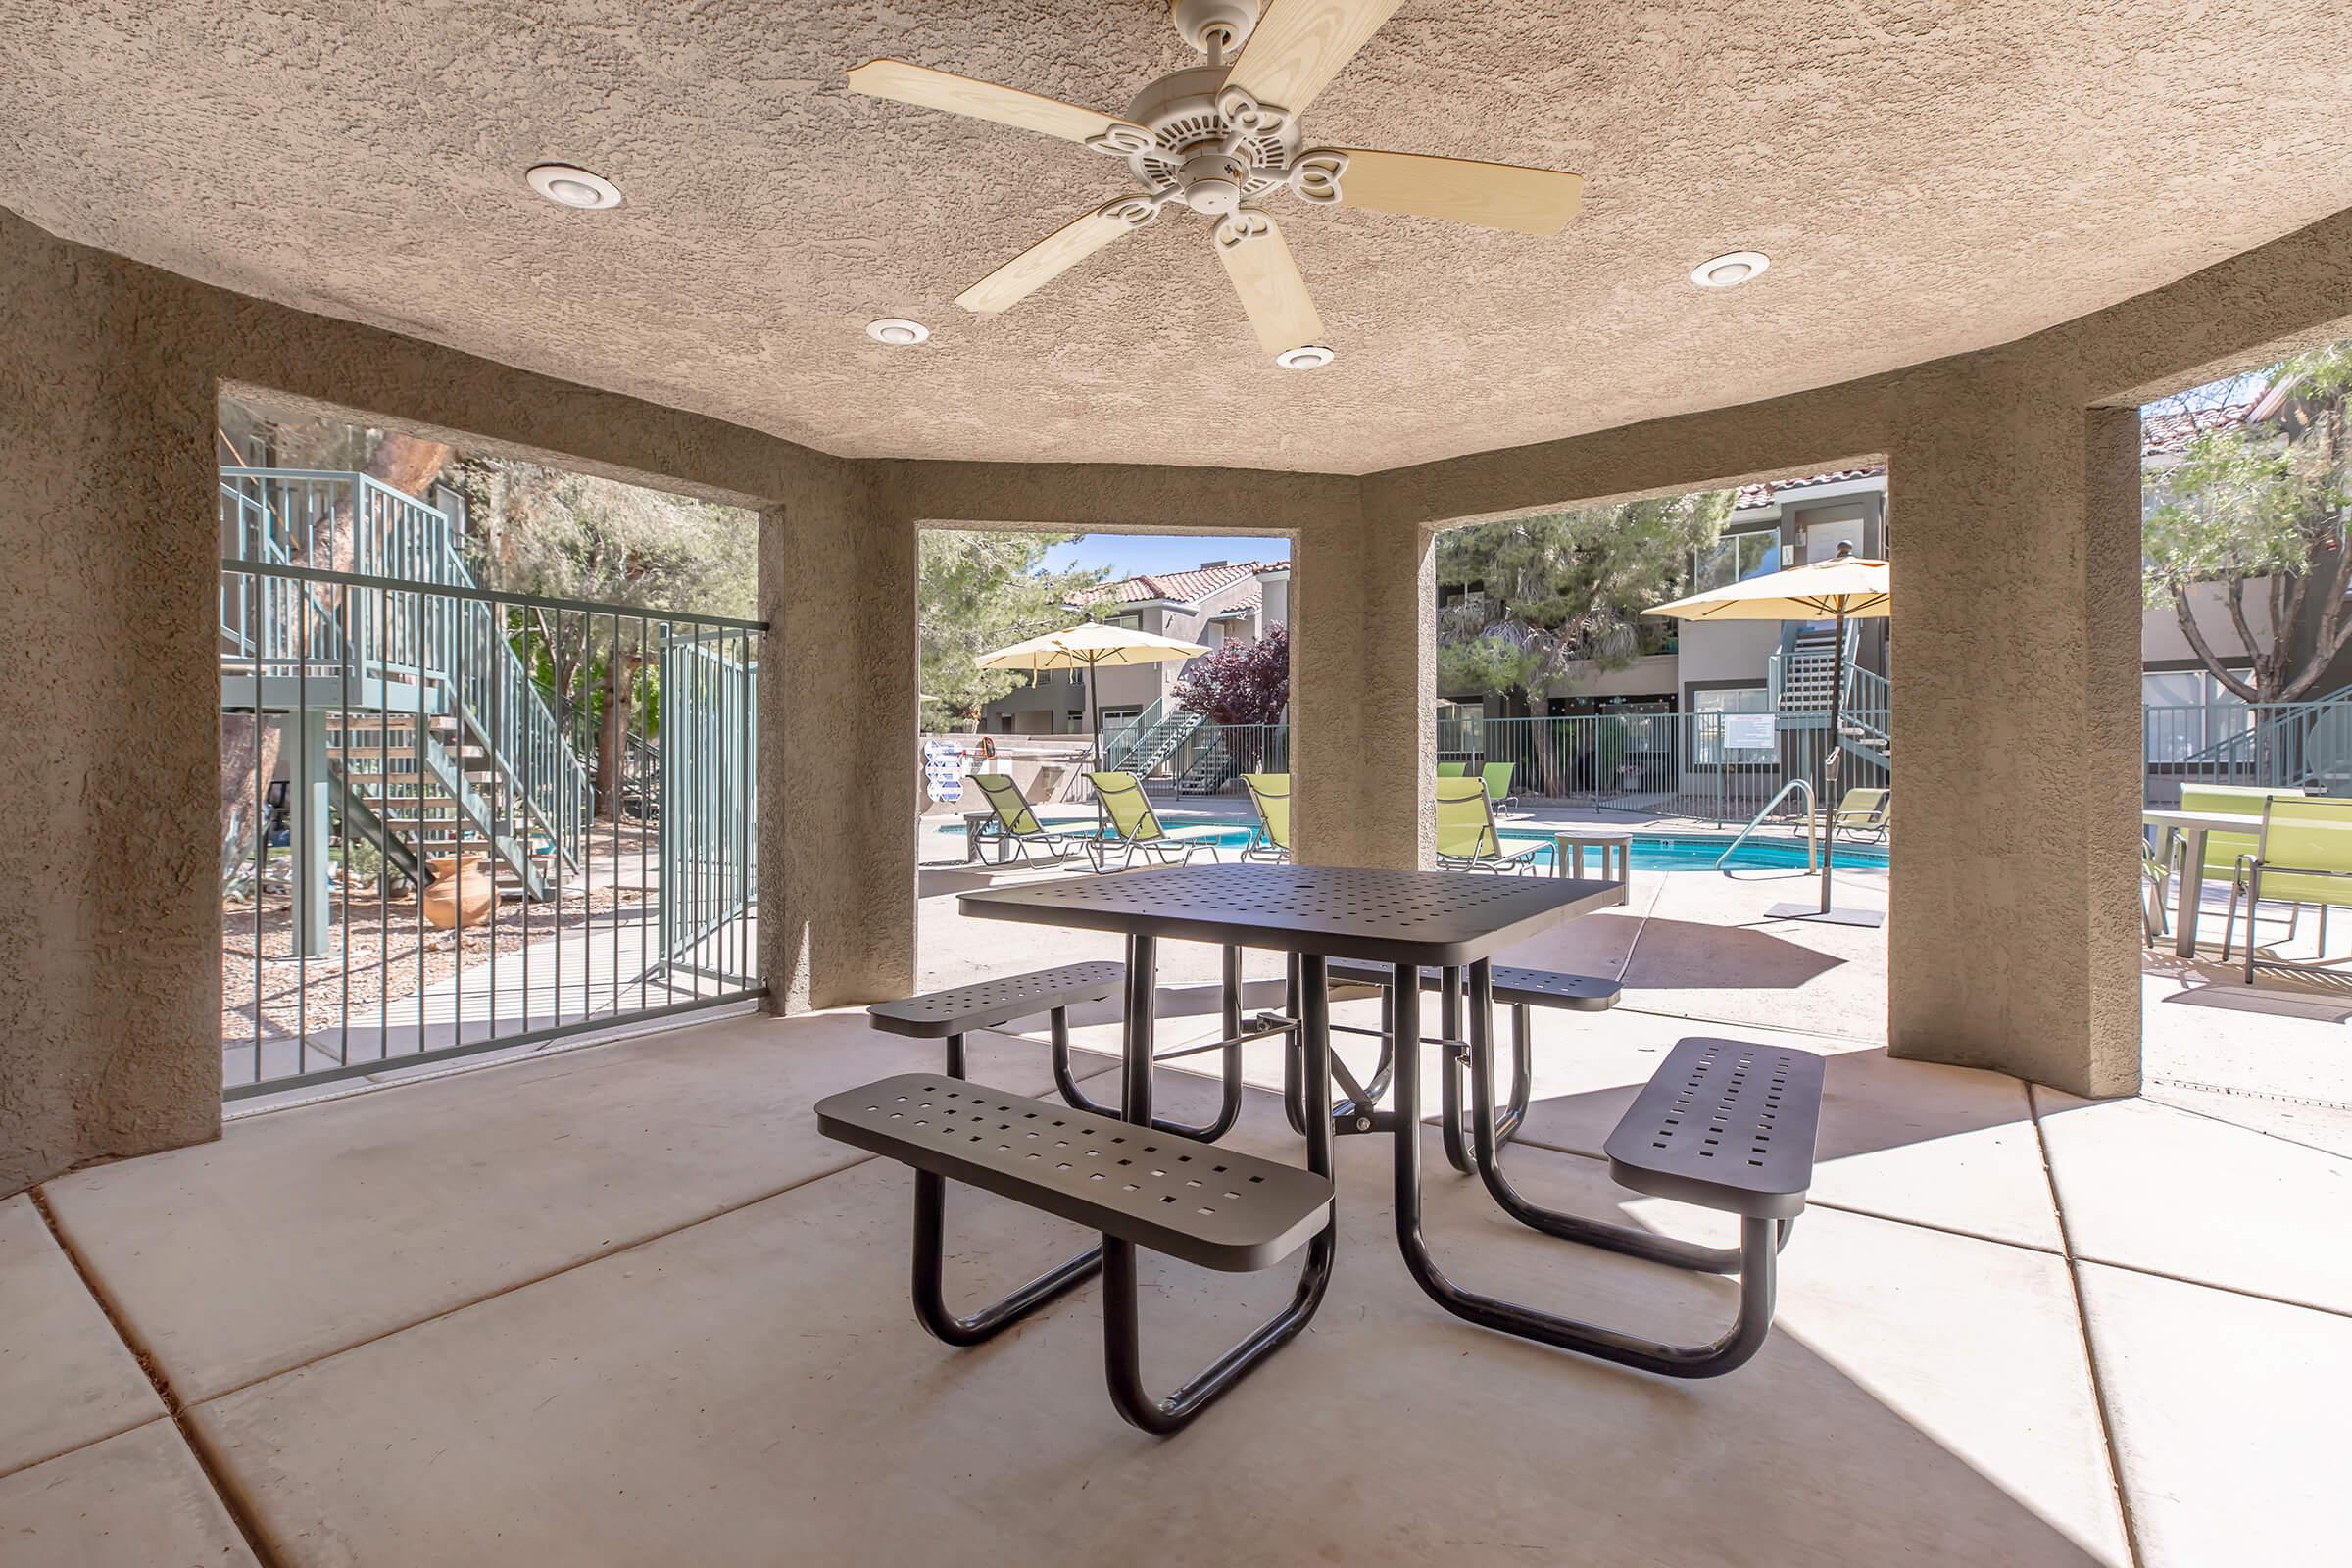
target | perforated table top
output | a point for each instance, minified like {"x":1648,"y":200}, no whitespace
{"x":1440,"y":917}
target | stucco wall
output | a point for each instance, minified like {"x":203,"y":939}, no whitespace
{"x":109,"y":374}
{"x":2012,"y":941}
{"x":110,"y":967}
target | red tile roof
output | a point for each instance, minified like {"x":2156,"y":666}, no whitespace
{"x":2160,"y":434}
{"x":2173,"y":429}
{"x":1186,"y":587}
{"x":1764,"y":494}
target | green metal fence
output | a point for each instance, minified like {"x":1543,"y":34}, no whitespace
{"x":570,"y":783}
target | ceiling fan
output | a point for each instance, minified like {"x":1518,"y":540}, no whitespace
{"x":1221,"y":139}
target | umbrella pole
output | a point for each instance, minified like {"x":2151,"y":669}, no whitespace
{"x":1830,"y":758}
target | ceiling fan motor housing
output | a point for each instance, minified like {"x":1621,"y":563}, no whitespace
{"x":1190,"y":117}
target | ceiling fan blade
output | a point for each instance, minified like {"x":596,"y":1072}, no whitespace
{"x":985,"y":100}
{"x":1043,"y":262}
{"x":1272,"y":292}
{"x":1532,"y":201}
{"x":1298,"y":45}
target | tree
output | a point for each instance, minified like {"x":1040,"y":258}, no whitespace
{"x":563,"y":535}
{"x":1543,"y":595}
{"x":2261,"y":505}
{"x":1241,"y":684}
{"x":979,"y":590}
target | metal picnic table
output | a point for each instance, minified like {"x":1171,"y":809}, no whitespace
{"x":1408,"y":920}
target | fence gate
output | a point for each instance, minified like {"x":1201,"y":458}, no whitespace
{"x":708,"y":769}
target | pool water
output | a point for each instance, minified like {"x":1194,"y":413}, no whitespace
{"x":1660,"y":852}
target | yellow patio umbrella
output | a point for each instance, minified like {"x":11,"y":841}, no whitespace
{"x":1087,"y":648}
{"x":1846,"y":587}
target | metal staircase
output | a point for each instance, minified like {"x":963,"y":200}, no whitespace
{"x":1150,"y":739}
{"x":2305,"y":745}
{"x":1211,"y":769}
{"x":1798,"y":678}
{"x":437,"y":740}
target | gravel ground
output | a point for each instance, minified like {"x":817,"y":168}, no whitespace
{"x":375,"y":949}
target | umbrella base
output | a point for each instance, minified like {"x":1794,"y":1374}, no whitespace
{"x":1869,"y":918}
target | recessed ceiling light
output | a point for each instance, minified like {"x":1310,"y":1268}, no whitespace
{"x":568,"y":186}
{"x":1730,"y":272}
{"x":897,"y":331}
{"x":1314,"y":357}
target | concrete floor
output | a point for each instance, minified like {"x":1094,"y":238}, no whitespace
{"x":623,"y":1306}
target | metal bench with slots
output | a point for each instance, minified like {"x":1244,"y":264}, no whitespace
{"x":1138,"y":1187}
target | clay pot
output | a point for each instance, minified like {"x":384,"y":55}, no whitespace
{"x":463,"y":891}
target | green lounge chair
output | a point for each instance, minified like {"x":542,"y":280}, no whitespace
{"x":1466,"y":836}
{"x":1454,"y":770}
{"x":1270,"y":840}
{"x":1498,"y":778}
{"x":1864,"y":813}
{"x":1135,"y":827}
{"x":1015,"y":826}
{"x":2303,"y":852}
{"x":2223,"y":851}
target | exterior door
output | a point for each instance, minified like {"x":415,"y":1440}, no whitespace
{"x":1822,"y":539}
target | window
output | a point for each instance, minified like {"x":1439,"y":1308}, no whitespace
{"x":1461,"y":727}
{"x":2189,"y":710}
{"x":1706,"y":732}
{"x":1735,"y":557}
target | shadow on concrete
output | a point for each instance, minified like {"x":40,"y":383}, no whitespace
{"x":1696,"y":955}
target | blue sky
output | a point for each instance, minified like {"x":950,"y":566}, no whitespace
{"x":1131,"y":554}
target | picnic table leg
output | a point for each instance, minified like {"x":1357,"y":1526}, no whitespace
{"x":2192,"y":889}
{"x":1757,"y":1250}
{"x":1122,"y":1327}
{"x":930,"y":1262}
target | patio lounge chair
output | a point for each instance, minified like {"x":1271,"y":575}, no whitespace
{"x":1016,"y":826}
{"x":1864,"y":813}
{"x":1497,"y":777}
{"x":1270,"y":840}
{"x":2303,"y":852}
{"x":1135,"y":828}
{"x":1466,"y":836}
{"x":1454,"y":770}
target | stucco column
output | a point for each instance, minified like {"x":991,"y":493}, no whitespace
{"x":1363,"y":693}
{"x":837,"y":758}
{"x":110,"y":905}
{"x":2013,"y":942}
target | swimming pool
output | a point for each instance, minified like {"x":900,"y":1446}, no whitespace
{"x":1652,"y":851}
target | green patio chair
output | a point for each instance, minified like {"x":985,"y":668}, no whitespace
{"x":2303,"y":852}
{"x":1466,"y":836}
{"x":1454,"y":770}
{"x":1135,"y":828}
{"x":1270,"y":840}
{"x":1864,"y":813}
{"x":1015,"y":827}
{"x":1498,"y":778}
{"x":2223,"y":851}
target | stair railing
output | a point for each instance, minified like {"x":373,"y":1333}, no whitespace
{"x":1119,"y":743}
{"x":457,"y":644}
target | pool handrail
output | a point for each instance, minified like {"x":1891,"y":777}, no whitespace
{"x":1812,"y":845}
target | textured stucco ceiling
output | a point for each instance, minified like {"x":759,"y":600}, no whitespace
{"x":1927,"y":177}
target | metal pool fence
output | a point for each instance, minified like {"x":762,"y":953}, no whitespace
{"x":456,"y":819}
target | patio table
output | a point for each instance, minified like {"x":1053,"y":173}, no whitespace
{"x":2194,"y":826}
{"x":1614,"y":844}
{"x":1443,"y":919}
